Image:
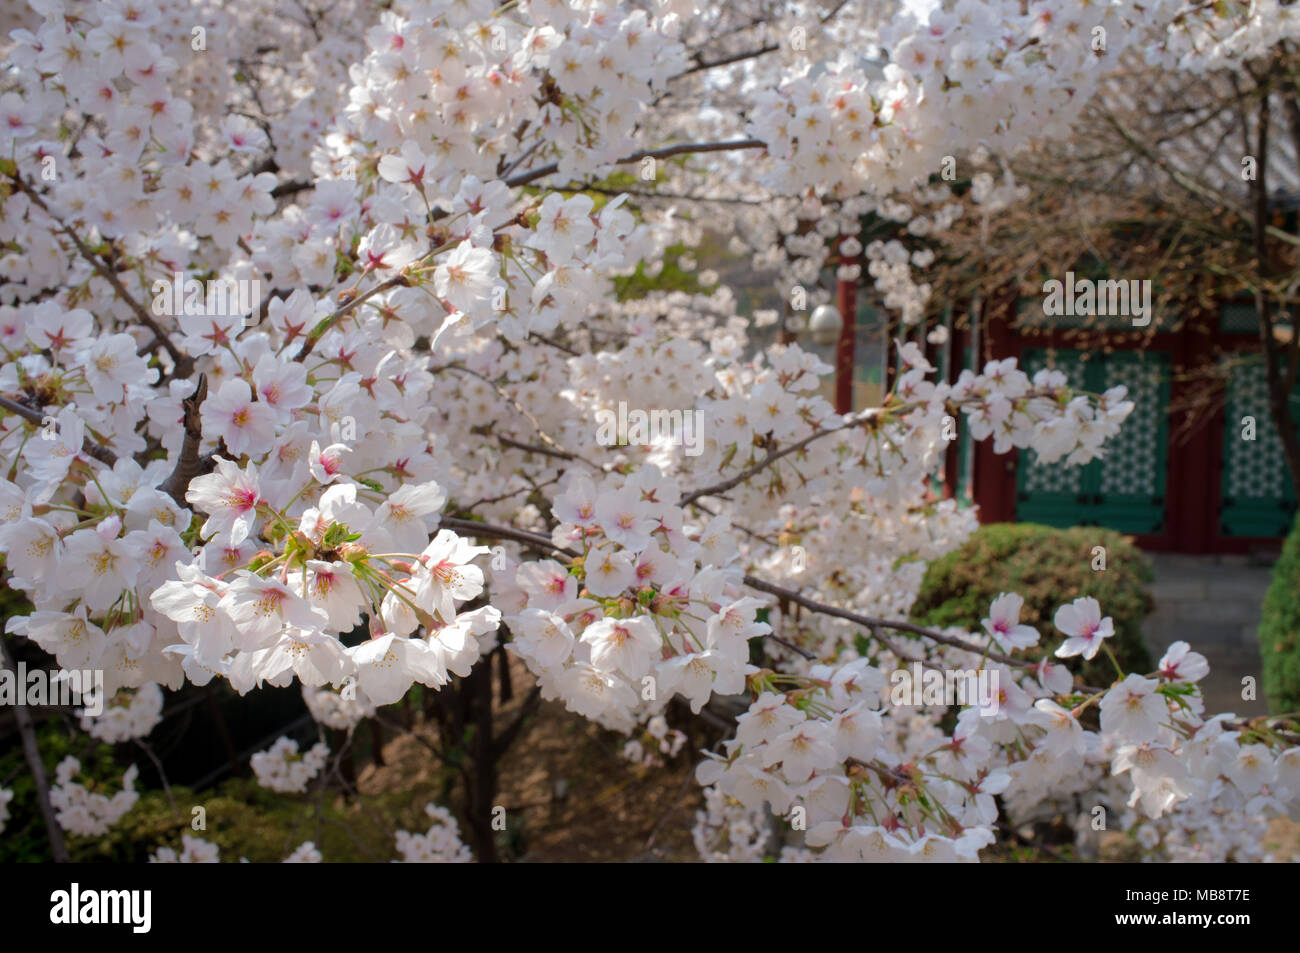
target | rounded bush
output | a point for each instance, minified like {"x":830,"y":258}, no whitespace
{"x":1049,"y":567}
{"x":1279,"y":630}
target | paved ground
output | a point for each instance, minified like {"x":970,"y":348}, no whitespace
{"x":1213,"y":603}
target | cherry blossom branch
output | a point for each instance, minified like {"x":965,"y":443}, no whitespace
{"x":1280,"y":726}
{"x":666,"y":196}
{"x":88,"y":446}
{"x":162,"y":774}
{"x":400,"y":280}
{"x":701,"y":64}
{"x":555,"y":344}
{"x":772,"y":457}
{"x":488,"y":500}
{"x":890,"y":776}
{"x":183,"y":363}
{"x":902,"y":653}
{"x":555,"y":449}
{"x":864,"y":417}
{"x":315,"y":334}
{"x":523,"y":156}
{"x":532,"y":175}
{"x":874,"y":624}
{"x":791,"y":646}
{"x":496,"y":531}
{"x":744,"y":529}
{"x":534,"y":448}
{"x":538,"y":541}
{"x":291,"y":188}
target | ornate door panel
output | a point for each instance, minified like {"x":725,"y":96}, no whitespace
{"x":1257,"y":497}
{"x":1125,"y":489}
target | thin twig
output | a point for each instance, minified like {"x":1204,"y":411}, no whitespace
{"x":871,"y":623}
{"x":32,"y":752}
{"x":88,"y":446}
{"x":767,"y":461}
{"x":183,"y":362}
{"x":162,"y":775}
{"x":494,"y":531}
{"x":684,"y":148}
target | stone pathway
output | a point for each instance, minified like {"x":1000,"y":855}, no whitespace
{"x":1213,"y":603}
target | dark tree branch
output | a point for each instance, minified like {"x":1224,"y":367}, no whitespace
{"x":189,"y":464}
{"x":875,"y":624}
{"x":761,"y":465}
{"x":88,"y":446}
{"x":534,"y":448}
{"x":492,"y":531}
{"x":702,"y":64}
{"x":528,"y":708}
{"x":532,"y":175}
{"x":32,"y":753}
{"x":290,"y":188}
{"x":183,"y":362}
{"x":316,"y":333}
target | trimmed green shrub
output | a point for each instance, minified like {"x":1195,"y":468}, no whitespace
{"x":1279,"y":630}
{"x":248,"y":821}
{"x":240,"y":817}
{"x":1049,"y":567}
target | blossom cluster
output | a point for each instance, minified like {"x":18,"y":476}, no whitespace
{"x":865,"y":780}
{"x":194,"y":850}
{"x":644,"y":613}
{"x":657,"y":743}
{"x":282,"y":768}
{"x":128,"y":715}
{"x":440,"y":844}
{"x":726,"y":831}
{"x":334,"y":709}
{"x":83,"y":810}
{"x":306,"y":853}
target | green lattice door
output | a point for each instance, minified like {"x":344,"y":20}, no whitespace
{"x":1125,"y":489}
{"x":1257,"y":496}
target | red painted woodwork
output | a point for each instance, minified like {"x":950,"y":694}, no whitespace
{"x":846,"y":299}
{"x":1196,"y":437}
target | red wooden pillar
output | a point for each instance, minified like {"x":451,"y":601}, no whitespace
{"x":846,"y":299}
{"x":994,"y":487}
{"x":952,"y":456}
{"x":1191,"y":481}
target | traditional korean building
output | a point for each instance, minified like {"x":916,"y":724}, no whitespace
{"x":1183,"y":475}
